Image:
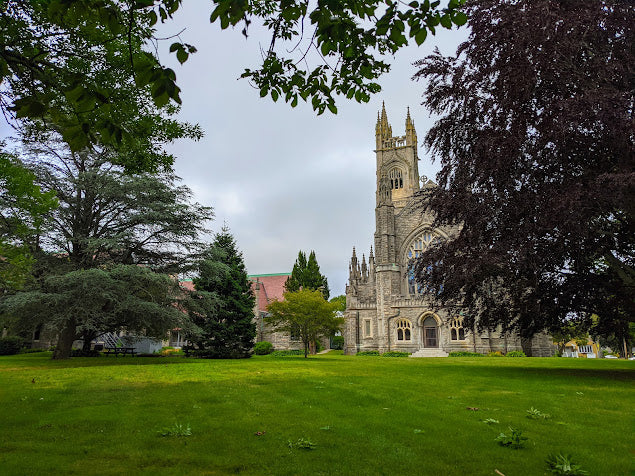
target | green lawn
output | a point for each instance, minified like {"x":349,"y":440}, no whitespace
{"x":365,"y":415}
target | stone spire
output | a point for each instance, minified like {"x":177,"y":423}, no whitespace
{"x":371,"y":265}
{"x":364,"y":269}
{"x":411,"y":133}
{"x":354,"y":273}
{"x":383,"y":130}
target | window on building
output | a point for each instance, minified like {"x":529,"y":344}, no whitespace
{"x":417,"y":246}
{"x":404,"y":330}
{"x":457,"y":332}
{"x":396,"y":179}
{"x":367,"y":328}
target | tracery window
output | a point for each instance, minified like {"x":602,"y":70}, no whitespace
{"x":404,"y":330}
{"x":415,"y":250}
{"x":457,"y":332}
{"x":396,"y":179}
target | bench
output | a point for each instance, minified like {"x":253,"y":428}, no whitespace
{"x":119,"y":350}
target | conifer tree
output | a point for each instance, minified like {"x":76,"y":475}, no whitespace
{"x":306,"y":275}
{"x":223,"y":302}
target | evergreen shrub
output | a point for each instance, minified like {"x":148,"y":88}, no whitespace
{"x":497,"y":353}
{"x":395,"y":354}
{"x":465,"y":354}
{"x":263,"y":348}
{"x":369,"y":353}
{"x":11,"y":345}
{"x":515,"y":353}
{"x":287,"y":353}
{"x":337,"y":343}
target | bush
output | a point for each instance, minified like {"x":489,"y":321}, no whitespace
{"x":498,"y":353}
{"x":32,"y":351}
{"x":10,"y":345}
{"x":395,"y":354}
{"x":286,"y":353}
{"x":465,"y":354}
{"x":337,"y":343}
{"x":515,"y":353}
{"x":263,"y":348}
{"x":369,"y":353}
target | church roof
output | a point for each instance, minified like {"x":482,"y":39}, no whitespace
{"x":271,"y":287}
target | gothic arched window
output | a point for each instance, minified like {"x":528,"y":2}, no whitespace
{"x":417,"y":246}
{"x":396,"y":179}
{"x":404,"y":330}
{"x":456,"y":329}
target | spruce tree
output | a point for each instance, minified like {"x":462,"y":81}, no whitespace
{"x":223,"y":302}
{"x":306,"y":275}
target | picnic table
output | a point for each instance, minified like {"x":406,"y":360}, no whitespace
{"x":119,"y":350}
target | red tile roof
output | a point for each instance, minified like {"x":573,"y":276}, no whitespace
{"x":271,"y":287}
{"x":187,"y":285}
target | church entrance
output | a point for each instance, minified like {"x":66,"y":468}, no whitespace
{"x":430,"y":332}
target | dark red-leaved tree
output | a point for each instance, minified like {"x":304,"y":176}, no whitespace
{"x":535,"y":140}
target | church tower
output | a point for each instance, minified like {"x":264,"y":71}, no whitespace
{"x":397,"y":160}
{"x":397,"y":183}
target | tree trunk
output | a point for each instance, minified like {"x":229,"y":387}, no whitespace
{"x":65,"y":342}
{"x":306,"y":348}
{"x":526,"y":345}
{"x":87,"y":339}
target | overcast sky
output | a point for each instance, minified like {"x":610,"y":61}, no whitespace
{"x":284,"y":179}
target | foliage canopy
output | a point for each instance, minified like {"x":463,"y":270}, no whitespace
{"x":305,"y":312}
{"x":536,"y":149}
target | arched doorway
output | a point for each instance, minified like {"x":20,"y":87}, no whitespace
{"x":430,"y":332}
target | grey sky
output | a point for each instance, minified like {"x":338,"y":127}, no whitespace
{"x":284,"y":179}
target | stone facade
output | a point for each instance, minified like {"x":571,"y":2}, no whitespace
{"x":386,"y":310}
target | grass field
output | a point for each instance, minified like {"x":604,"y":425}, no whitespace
{"x":364,"y":415}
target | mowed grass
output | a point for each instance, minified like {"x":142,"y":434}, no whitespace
{"x":365,"y":415}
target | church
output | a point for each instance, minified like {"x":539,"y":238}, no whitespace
{"x":386,"y":309}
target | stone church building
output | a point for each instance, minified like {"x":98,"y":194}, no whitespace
{"x":386,"y":309}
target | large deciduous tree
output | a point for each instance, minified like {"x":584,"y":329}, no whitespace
{"x":535,"y":141}
{"x":44,"y":43}
{"x":222,"y":304}
{"x":307,"y":313}
{"x":306,"y":275}
{"x":22,"y":207}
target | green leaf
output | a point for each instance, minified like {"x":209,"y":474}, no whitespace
{"x":182,"y":55}
{"x":459,"y":18}
{"x":420,"y":37}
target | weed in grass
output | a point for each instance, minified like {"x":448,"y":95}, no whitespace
{"x":418,"y":431}
{"x":564,"y":464}
{"x":514,"y":440}
{"x":536,"y":414}
{"x":325,"y":428}
{"x":302,"y":444}
{"x":178,"y":430}
{"x":490,"y":421}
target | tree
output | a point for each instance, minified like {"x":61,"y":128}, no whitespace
{"x":340,"y":301}
{"x":43,"y":42}
{"x":306,"y":275}
{"x":305,"y":312}
{"x":22,"y":207}
{"x":223,"y":302}
{"x":105,"y":218}
{"x":86,"y":303}
{"x":535,"y":144}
